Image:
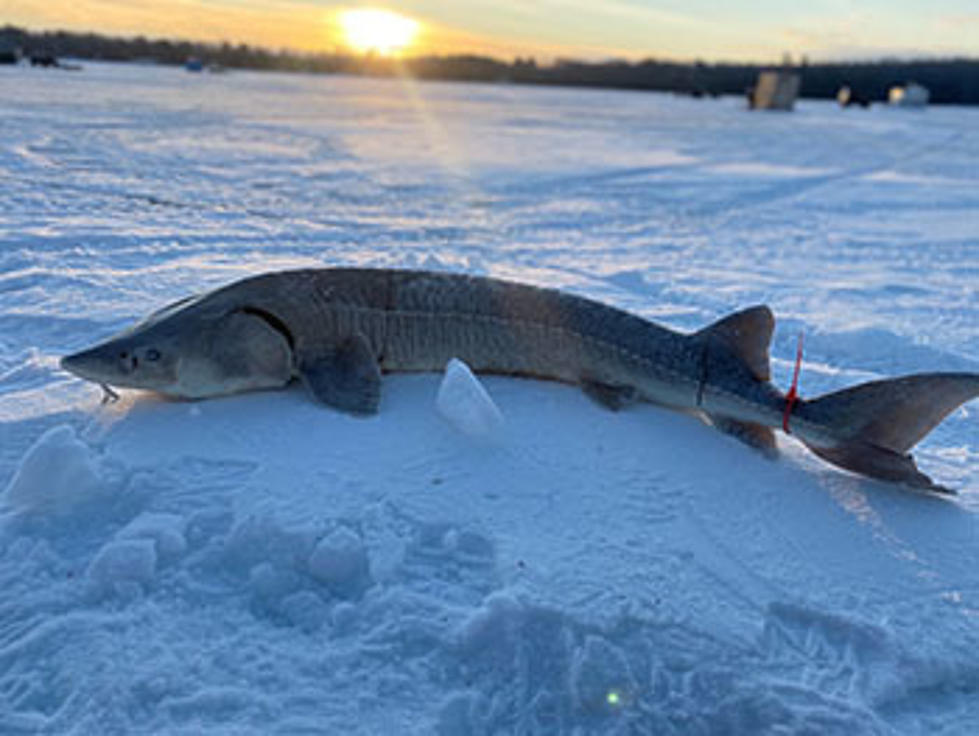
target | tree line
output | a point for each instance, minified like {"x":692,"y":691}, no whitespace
{"x":950,"y":81}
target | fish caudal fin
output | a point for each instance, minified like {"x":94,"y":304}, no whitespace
{"x":878,"y":422}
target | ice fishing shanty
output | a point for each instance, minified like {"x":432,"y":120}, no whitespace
{"x":775,"y":90}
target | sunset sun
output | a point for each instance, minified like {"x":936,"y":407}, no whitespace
{"x":379,"y":31}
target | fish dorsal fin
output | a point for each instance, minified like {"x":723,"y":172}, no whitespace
{"x":747,"y":335}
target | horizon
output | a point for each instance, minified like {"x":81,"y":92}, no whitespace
{"x":825,"y":32}
{"x":352,"y":53}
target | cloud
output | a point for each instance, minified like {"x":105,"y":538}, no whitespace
{"x":957,"y":21}
{"x":862,"y":35}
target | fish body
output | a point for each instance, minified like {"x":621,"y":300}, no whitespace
{"x":338,"y":330}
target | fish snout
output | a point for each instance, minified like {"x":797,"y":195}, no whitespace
{"x":74,"y":363}
{"x":69,"y":362}
{"x":87,"y":364}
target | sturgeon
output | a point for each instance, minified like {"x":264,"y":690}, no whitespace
{"x":339,"y":329}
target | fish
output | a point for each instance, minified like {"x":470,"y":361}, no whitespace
{"x":337,"y":330}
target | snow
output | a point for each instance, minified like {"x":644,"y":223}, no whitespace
{"x":258,"y":564}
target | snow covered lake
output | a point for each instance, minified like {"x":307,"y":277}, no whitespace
{"x":259,"y":564}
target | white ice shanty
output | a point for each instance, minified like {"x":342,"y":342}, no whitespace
{"x":910,"y":95}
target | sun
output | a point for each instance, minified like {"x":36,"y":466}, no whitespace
{"x":370,"y":30}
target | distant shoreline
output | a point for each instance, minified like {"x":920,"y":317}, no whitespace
{"x":950,"y":81}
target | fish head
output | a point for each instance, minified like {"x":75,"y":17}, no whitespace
{"x":142,"y":357}
{"x":190,"y":350}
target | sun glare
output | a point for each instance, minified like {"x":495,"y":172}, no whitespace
{"x":383,"y":32}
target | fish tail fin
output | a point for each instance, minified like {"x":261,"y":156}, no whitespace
{"x":878,"y":422}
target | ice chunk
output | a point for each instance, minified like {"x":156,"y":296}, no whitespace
{"x":340,"y":561}
{"x":258,"y":539}
{"x":58,"y":471}
{"x":270,"y":584}
{"x":166,"y":530}
{"x":305,"y":610}
{"x":489,"y":626}
{"x":129,"y":561}
{"x":343,"y":616}
{"x":463,"y":401}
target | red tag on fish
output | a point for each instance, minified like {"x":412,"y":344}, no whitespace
{"x":792,"y":397}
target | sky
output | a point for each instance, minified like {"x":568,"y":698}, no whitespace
{"x":711,"y":30}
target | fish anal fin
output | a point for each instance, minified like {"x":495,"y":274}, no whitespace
{"x":878,"y":462}
{"x":612,"y":396}
{"x":758,"y":436}
{"x":345,"y":376}
{"x":747,"y":334}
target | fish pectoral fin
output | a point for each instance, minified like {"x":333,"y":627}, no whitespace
{"x":878,"y":462}
{"x":758,"y":436}
{"x":611,"y":396}
{"x":345,"y":376}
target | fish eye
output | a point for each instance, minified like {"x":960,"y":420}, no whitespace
{"x":152,"y":354}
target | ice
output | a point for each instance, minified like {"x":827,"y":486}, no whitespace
{"x":271,"y":584}
{"x":166,"y":530}
{"x":306,"y":610}
{"x":262,"y":564}
{"x":131,"y":561}
{"x":57,"y":472}
{"x":465,"y":404}
{"x":340,"y":561}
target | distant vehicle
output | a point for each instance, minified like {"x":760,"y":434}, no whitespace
{"x":847,"y":97}
{"x":198,"y":66}
{"x":775,"y":90}
{"x":50,"y":61}
{"x":910,"y":95}
{"x":9,"y":57}
{"x":46,"y":60}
